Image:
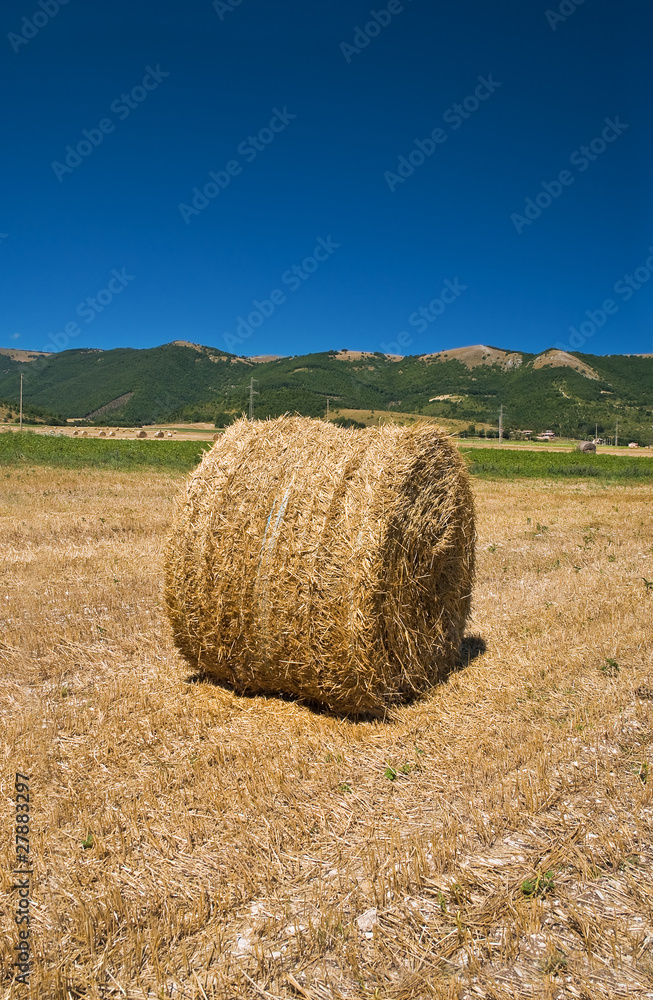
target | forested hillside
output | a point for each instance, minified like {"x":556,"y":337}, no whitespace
{"x":569,"y":394}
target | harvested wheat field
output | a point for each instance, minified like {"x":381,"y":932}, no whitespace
{"x":493,"y":840}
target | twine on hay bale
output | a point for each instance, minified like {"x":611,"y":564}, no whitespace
{"x":331,"y":564}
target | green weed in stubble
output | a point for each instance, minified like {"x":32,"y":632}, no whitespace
{"x":539,"y":885}
{"x":555,"y":963}
{"x":610,"y":668}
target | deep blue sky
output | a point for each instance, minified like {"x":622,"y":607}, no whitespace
{"x":322,"y":176}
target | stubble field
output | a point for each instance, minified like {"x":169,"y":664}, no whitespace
{"x":495,"y":840}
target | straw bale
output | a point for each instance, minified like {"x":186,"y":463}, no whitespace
{"x":586,"y":446}
{"x":159,"y":434}
{"x":331,"y":564}
{"x":141,"y":434}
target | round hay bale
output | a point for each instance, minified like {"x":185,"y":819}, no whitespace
{"x":586,"y":447}
{"x":331,"y":564}
{"x":169,"y":434}
{"x":141,"y":434}
{"x":102,"y":434}
{"x":216,"y":437}
{"x":112,"y":434}
{"x":159,"y":434}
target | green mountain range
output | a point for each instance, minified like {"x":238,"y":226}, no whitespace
{"x":569,"y":394}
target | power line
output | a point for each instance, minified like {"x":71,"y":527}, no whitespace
{"x":252,"y":393}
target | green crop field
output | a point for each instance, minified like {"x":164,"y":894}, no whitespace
{"x":493,"y":463}
{"x":64,"y":453}
{"x":181,"y":456}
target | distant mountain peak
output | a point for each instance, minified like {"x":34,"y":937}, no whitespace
{"x":478,"y":354}
{"x":23,"y":356}
{"x":554,"y":358}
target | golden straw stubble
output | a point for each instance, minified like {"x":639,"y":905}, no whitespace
{"x":331,"y":564}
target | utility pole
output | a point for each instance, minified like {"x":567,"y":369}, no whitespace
{"x":328,"y":400}
{"x":616,"y":435}
{"x":21,"y":402}
{"x":252,"y":393}
{"x":596,"y":433}
{"x":500,"y":423}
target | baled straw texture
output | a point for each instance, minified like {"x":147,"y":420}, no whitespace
{"x":335,"y":565}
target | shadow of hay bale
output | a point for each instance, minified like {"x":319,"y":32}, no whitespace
{"x":471,"y":647}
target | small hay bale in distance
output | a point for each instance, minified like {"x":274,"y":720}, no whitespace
{"x":587,"y":447}
{"x":141,"y":434}
{"x":331,"y":564}
{"x":159,"y":434}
